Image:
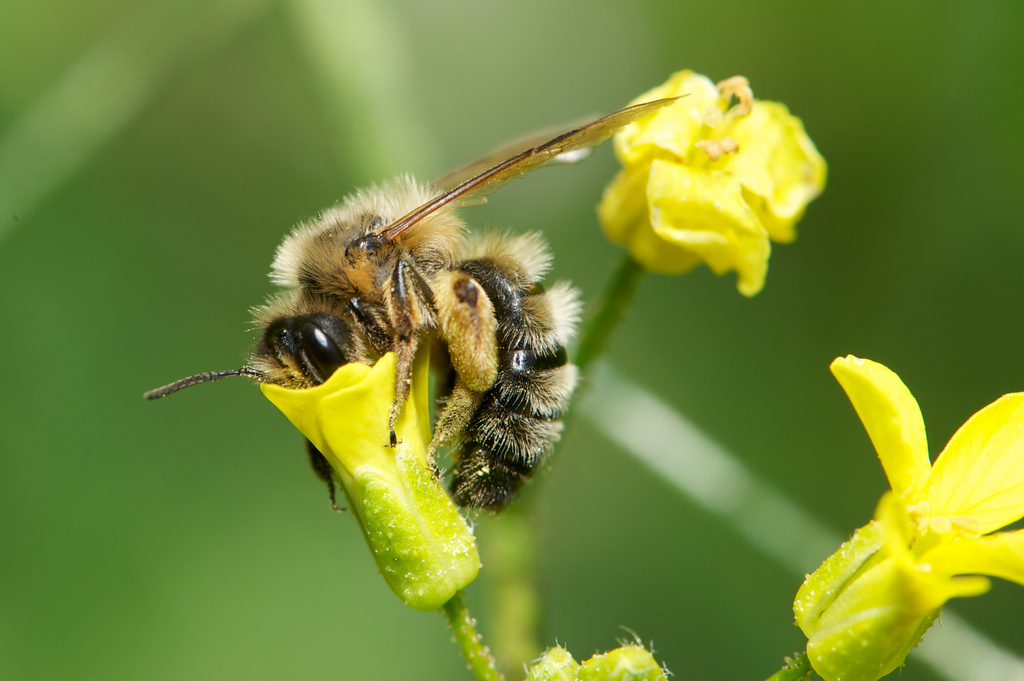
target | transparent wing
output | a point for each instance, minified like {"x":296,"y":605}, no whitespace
{"x":457,"y":176}
{"x":589,"y":135}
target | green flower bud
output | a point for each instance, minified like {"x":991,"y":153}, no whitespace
{"x":556,"y":664}
{"x":863,"y":610}
{"x":629,"y":663}
{"x":422,"y":545}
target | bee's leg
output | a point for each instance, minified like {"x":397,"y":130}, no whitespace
{"x":466,"y":318}
{"x":459,"y":408}
{"x":467,"y":323}
{"x":367,"y":317}
{"x":323,"y":471}
{"x":410,"y":305}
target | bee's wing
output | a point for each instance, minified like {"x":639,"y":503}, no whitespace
{"x":457,"y":176}
{"x":524,"y":161}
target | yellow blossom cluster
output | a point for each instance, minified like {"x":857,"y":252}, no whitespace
{"x":706,"y":181}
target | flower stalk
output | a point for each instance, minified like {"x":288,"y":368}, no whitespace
{"x":510,"y":553}
{"x":796,"y":668}
{"x":616,"y":299}
{"x":477,"y":655}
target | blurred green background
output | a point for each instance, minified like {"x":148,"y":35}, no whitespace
{"x":152,"y":155}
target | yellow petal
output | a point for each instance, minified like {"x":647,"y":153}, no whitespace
{"x":623,"y":214}
{"x":360,"y":392}
{"x":778,"y":165}
{"x":892,"y":418}
{"x":623,"y":204}
{"x":705,"y":213}
{"x":981,"y":471}
{"x":673,"y":130}
{"x":997,"y":555}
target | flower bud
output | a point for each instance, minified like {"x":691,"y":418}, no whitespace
{"x":869,"y":604}
{"x":631,"y":662}
{"x":556,"y":664}
{"x":422,"y":545}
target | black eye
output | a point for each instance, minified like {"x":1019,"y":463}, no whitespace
{"x":323,"y":353}
{"x":308,"y":347}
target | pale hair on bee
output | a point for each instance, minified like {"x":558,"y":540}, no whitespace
{"x":308,"y":246}
{"x":391,"y":269}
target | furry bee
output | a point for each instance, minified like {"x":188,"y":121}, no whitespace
{"x":391,"y":268}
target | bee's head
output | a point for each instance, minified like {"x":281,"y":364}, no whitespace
{"x":304,"y":350}
{"x":296,"y":352}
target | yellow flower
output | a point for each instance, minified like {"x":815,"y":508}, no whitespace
{"x":702,"y":182}
{"x":933,"y":535}
{"x":421,"y":543}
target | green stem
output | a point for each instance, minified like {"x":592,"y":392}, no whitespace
{"x":508,"y":544}
{"x":796,"y":668}
{"x":481,"y":663}
{"x":616,"y":299}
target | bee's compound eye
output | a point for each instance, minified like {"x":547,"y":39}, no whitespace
{"x":323,"y":353}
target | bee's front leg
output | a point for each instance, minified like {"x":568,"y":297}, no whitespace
{"x":410,"y":306}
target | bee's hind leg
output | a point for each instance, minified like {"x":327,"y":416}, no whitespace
{"x":459,"y":407}
{"x":466,"y":317}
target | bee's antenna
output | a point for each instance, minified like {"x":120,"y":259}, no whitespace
{"x":205,"y":377}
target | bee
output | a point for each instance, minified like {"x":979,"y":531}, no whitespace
{"x":391,"y":269}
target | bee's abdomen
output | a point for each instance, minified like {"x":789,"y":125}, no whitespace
{"x":517,"y":420}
